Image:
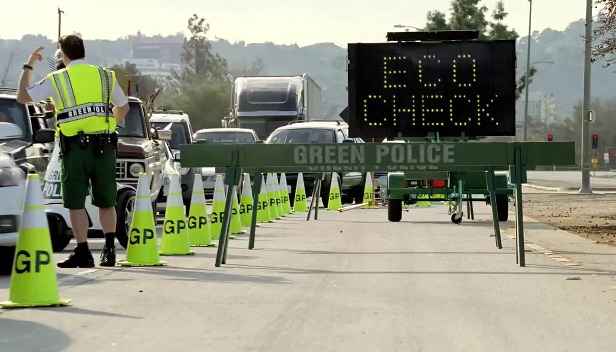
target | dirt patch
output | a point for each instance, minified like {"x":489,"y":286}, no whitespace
{"x":589,"y":216}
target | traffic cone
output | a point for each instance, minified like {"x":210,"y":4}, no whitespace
{"x":263,"y":214}
{"x":334,"y":202}
{"x":422,"y":203}
{"x":236,"y":221}
{"x":218,"y":207}
{"x":175,"y":239}
{"x":299,"y":201}
{"x":199,"y":228}
{"x":368,"y":193}
{"x":142,"y":249}
{"x":278,"y":196}
{"x":246,"y":202}
{"x":284,"y":192}
{"x":34,"y":282}
{"x":271,"y":196}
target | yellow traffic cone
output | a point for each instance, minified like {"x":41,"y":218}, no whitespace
{"x":271,"y":196}
{"x":246,"y":202}
{"x":284,"y":192}
{"x":218,"y":207}
{"x":142,"y":249}
{"x":278,"y":196}
{"x":199,"y":228}
{"x":422,"y":203}
{"x":334,"y":202}
{"x":300,"y":204}
{"x":263,"y":214}
{"x":175,"y":239}
{"x":34,"y":282}
{"x":236,"y":221}
{"x":368,"y":193}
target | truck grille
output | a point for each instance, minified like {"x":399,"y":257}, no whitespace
{"x":121,"y":170}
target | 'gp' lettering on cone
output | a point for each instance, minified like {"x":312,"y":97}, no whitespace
{"x":263,"y":214}
{"x":369,"y":197}
{"x":271,"y":196}
{"x":334,"y":202}
{"x":299,"y":201}
{"x":142,"y":249}
{"x":218,"y":208}
{"x":199,"y":229}
{"x":284,"y":193}
{"x":175,"y":239}
{"x":246,"y":202}
{"x":278,"y":196}
{"x":34,"y":282}
{"x":236,"y":222}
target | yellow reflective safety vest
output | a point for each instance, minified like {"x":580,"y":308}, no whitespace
{"x":82,"y":93}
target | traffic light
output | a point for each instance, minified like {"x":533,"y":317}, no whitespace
{"x":550,"y":137}
{"x":595,"y":141}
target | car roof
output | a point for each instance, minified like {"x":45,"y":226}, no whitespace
{"x":226,"y":129}
{"x":333,"y":124}
{"x":163,"y":117}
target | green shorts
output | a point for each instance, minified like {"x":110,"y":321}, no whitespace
{"x":80,"y":169}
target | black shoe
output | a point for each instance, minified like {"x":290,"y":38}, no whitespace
{"x":78,"y":259}
{"x":108,"y":257}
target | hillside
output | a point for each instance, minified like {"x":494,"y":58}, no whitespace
{"x":326,"y":62}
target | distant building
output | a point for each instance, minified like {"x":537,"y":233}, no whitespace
{"x":540,"y":105}
{"x":157,"y":60}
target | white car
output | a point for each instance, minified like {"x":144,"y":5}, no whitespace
{"x":170,"y":167}
{"x":12,"y":190}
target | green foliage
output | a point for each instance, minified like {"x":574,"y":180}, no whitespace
{"x":605,"y":33}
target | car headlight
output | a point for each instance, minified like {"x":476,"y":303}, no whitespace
{"x":10,"y":176}
{"x":135,"y":169}
{"x":181,"y":170}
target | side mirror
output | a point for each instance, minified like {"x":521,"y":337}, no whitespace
{"x":45,"y":135}
{"x":347,"y":140}
{"x":164,"y":135}
{"x":176,"y":156}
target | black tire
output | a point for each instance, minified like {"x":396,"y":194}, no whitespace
{"x":7,"y":255}
{"x":59,"y":233}
{"x":394,"y":210}
{"x":358,"y":194}
{"x":456,"y":220}
{"x":125,"y":208}
{"x":502,"y":206}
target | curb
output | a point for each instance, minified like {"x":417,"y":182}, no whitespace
{"x":562,"y":189}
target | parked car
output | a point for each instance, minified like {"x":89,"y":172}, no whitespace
{"x":179,"y":124}
{"x":329,"y":131}
{"x":171,"y":166}
{"x":12,"y":188}
{"x":141,"y":149}
{"x":221,"y":135}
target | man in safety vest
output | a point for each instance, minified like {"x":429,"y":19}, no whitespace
{"x":81,"y":94}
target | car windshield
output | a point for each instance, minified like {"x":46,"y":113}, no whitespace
{"x":301,"y":135}
{"x":178,"y":131}
{"x":13,"y":112}
{"x":132,"y":126}
{"x":225,"y":137}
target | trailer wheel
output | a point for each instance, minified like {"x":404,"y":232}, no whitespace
{"x":502,"y":206}
{"x":125,"y":209}
{"x":394,"y":210}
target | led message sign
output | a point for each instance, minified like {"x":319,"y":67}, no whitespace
{"x":411,"y":89}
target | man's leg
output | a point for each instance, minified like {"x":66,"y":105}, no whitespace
{"x":74,"y":193}
{"x":104,"y":192}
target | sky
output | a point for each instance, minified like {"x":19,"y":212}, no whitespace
{"x":281,"y":22}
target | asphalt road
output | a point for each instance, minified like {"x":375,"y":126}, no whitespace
{"x":572,"y":178}
{"x":348,"y":282}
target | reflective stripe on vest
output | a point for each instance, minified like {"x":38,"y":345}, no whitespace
{"x":82,"y":94}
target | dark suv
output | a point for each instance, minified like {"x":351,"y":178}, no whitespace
{"x":328,"y":131}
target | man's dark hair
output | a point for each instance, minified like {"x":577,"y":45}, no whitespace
{"x":72,"y":46}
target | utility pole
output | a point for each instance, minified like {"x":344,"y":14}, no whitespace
{"x":60,"y":13}
{"x":530,"y":13}
{"x":585,"y":189}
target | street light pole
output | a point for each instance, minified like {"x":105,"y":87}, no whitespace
{"x":530,"y":12}
{"x":585,"y":189}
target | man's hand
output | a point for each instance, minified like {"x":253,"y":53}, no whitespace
{"x":35,"y":56}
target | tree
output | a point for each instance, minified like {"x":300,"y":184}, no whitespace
{"x":200,"y":63}
{"x":256,"y":68}
{"x":605,"y":33}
